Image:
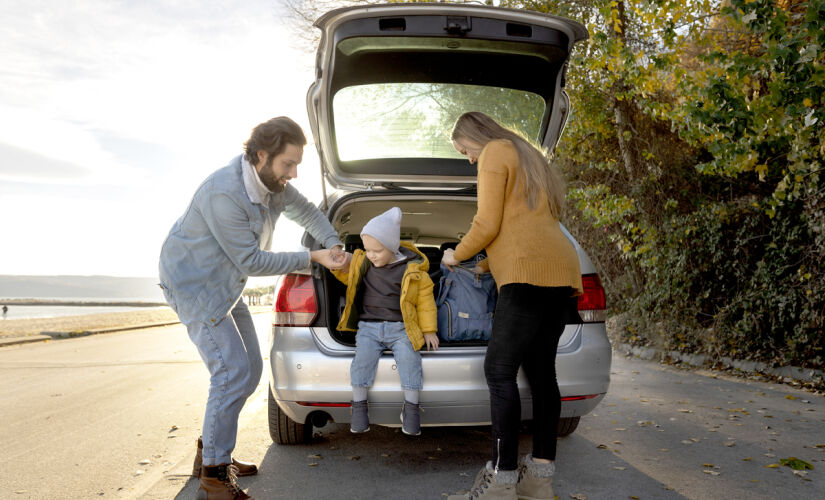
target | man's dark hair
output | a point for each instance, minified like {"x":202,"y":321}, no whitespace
{"x":272,"y":136}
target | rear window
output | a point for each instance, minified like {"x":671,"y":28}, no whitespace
{"x":414,"y":120}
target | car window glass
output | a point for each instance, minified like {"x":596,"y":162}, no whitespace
{"x":414,"y":120}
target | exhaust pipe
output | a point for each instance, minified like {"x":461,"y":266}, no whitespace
{"x":319,"y":419}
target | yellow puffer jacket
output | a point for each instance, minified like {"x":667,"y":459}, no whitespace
{"x":417,"y":301}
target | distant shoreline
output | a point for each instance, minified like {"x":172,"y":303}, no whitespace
{"x":70,"y":302}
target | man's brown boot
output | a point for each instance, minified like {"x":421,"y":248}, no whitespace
{"x":220,"y":482}
{"x":244,"y":468}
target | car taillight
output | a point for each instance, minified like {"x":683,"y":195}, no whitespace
{"x":591,"y":302}
{"x":295,"y":303}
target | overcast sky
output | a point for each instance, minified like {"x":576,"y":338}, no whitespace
{"x":112,"y":112}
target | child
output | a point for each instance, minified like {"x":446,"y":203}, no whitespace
{"x":390,"y":303}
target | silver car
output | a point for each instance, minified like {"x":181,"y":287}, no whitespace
{"x":390,"y":82}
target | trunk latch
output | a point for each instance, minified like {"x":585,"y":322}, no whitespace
{"x":458,"y":25}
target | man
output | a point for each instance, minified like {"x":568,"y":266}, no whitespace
{"x":221,"y":239}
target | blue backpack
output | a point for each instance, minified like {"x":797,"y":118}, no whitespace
{"x":465,"y":302}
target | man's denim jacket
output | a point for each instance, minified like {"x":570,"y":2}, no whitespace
{"x":213,"y":248}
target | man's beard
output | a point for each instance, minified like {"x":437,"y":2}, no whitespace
{"x":270,"y":181}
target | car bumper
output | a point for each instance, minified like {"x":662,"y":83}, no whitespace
{"x":310,"y":373}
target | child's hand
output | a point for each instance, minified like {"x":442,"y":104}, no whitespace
{"x":431,"y":340}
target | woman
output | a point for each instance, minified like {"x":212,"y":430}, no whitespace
{"x":520,"y":199}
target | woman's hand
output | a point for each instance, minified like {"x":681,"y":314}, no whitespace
{"x":448,"y":259}
{"x":431,"y":340}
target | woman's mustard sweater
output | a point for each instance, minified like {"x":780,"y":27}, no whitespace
{"x":523,"y":245}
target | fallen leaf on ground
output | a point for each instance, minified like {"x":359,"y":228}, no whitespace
{"x":695,"y":440}
{"x":644,"y":423}
{"x":384,"y":455}
{"x":708,"y":465}
{"x":602,"y":446}
{"x":317,"y":457}
{"x":711,"y":472}
{"x":772,"y":466}
{"x":620,"y":468}
{"x":145,"y":461}
{"x":431,"y":458}
{"x":687,"y":441}
{"x":617,"y":442}
{"x":795,"y":463}
{"x":620,"y":429}
{"x":685,"y":410}
{"x":769,"y":455}
{"x":729,"y":443}
{"x":578,"y":496}
{"x":791,"y":397}
{"x":313,"y":464}
{"x":801,"y":473}
{"x":747,"y":459}
{"x":174,"y":428}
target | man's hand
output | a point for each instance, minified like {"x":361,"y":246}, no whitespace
{"x":340,"y":257}
{"x":325,"y":258}
{"x":448,"y":259}
{"x":431,"y":340}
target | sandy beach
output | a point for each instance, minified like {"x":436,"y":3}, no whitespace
{"x":35,"y":326}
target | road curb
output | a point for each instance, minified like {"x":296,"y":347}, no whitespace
{"x":23,"y":340}
{"x":70,"y":335}
{"x":786,"y":373}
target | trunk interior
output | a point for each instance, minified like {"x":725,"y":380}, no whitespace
{"x":433,"y":221}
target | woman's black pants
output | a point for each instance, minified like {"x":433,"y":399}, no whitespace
{"x":527,"y":325}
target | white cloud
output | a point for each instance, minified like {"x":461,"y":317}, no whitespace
{"x":140,"y":99}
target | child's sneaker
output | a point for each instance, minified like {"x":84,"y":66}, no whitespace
{"x":360,"y":421}
{"x":410,"y":419}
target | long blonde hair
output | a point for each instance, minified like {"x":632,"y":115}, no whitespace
{"x":539,"y":177}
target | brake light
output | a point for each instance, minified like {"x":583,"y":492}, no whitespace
{"x":592,"y":303}
{"x":295,"y":303}
{"x":579,"y":398}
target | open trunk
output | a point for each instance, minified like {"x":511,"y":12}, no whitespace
{"x":432,"y":221}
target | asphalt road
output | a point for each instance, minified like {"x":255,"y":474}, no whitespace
{"x":78,"y":416}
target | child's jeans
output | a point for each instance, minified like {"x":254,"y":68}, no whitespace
{"x":372,"y":339}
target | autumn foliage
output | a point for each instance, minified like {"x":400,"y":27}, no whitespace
{"x":694,"y":158}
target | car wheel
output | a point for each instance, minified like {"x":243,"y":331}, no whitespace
{"x":283,"y":429}
{"x":567,"y":426}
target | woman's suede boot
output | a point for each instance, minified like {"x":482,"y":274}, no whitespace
{"x":535,"y":480}
{"x":491,"y":485}
{"x":220,"y":482}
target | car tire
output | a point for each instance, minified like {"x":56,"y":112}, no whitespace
{"x":284,"y":430}
{"x":567,"y":426}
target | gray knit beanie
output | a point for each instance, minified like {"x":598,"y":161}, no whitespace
{"x":386,"y":228}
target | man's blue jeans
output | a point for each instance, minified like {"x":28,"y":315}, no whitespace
{"x":232,"y":355}
{"x":371,"y":340}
